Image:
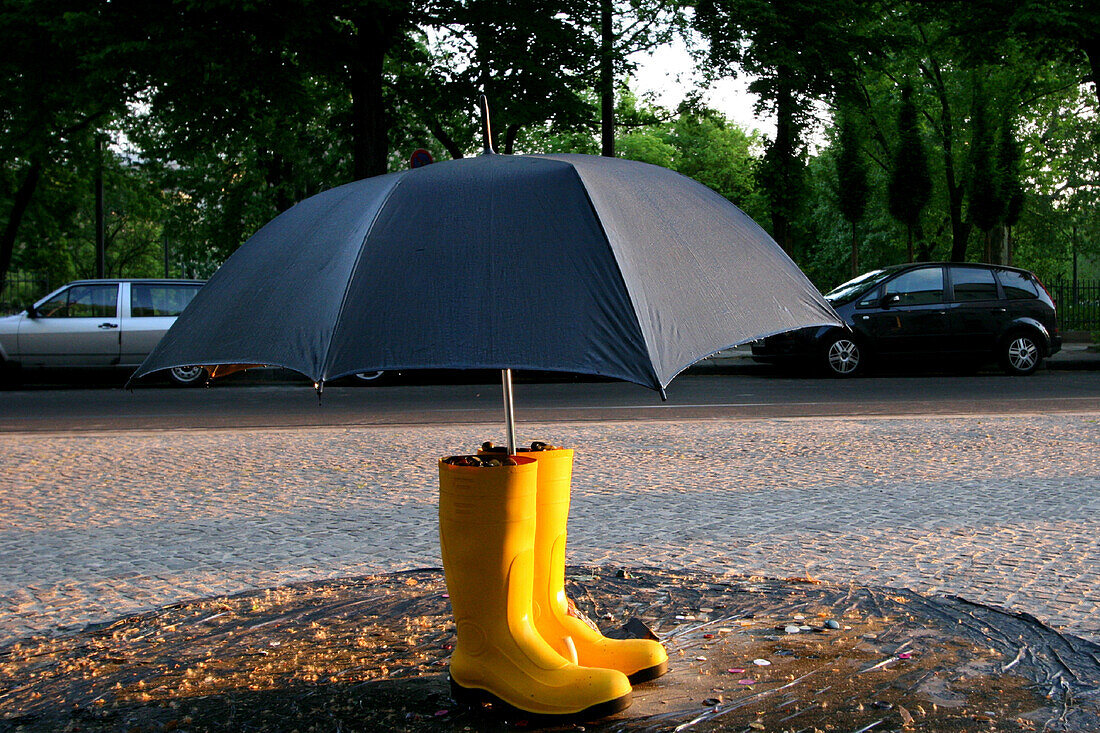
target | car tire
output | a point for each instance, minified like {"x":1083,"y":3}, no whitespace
{"x":843,"y":356}
{"x":187,"y":376}
{"x":368,"y":378}
{"x":10,"y":374}
{"x":1021,"y":353}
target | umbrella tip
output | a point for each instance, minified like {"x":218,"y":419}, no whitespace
{"x":486,"y":130}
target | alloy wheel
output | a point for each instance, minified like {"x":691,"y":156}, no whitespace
{"x":1023,"y":354}
{"x":187,"y":375}
{"x":843,"y":356}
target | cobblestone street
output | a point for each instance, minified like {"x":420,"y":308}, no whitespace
{"x":999,"y":510}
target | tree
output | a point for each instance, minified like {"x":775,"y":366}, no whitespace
{"x":698,"y":142}
{"x":852,"y":185}
{"x":1058,"y":25}
{"x":1060,"y":165}
{"x":1063,"y":31}
{"x":534,"y":61}
{"x":637,"y":25}
{"x":221,"y":66}
{"x":798,"y":51}
{"x":986,"y":206}
{"x":64,"y":68}
{"x":910,"y":185}
{"x":1011,"y":185}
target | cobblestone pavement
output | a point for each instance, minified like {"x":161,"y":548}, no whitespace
{"x":1000,"y":510}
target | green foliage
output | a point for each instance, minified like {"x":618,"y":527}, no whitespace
{"x":701,"y":144}
{"x":852,"y":187}
{"x":827,"y":261}
{"x":851,"y":173}
{"x":797,"y":51}
{"x":65,"y":69}
{"x":910,"y":185}
{"x":225,"y":113}
{"x":1060,"y":163}
{"x":986,"y":206}
{"x":1011,"y":175}
{"x":62,"y":225}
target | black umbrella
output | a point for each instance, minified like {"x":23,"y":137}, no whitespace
{"x":568,"y":263}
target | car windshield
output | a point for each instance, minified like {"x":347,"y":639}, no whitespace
{"x":857,"y":287}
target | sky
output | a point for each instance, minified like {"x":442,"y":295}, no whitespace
{"x":669,"y":73}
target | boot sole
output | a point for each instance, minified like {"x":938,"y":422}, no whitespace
{"x":649,"y":673}
{"x":475,"y":697}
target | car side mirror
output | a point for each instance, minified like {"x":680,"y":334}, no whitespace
{"x":889,"y":300}
{"x":32,"y":312}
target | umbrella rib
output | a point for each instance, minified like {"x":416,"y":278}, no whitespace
{"x":326,"y":365}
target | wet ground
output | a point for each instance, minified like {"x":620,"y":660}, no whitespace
{"x":370,"y":653}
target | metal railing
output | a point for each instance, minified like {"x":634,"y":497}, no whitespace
{"x":1078,"y":304}
{"x":21,"y":288}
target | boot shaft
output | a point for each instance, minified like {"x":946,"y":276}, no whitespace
{"x":487,"y":522}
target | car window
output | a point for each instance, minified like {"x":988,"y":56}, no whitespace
{"x":82,"y":301}
{"x":1017,"y":285}
{"x":973,"y":283}
{"x":155,"y":300}
{"x":857,"y":286}
{"x":917,"y":287}
{"x":870,"y":299}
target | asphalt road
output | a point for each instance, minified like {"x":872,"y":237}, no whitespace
{"x":751,"y":394}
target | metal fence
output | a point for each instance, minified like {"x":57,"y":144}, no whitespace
{"x":21,"y":288}
{"x":1078,"y":304}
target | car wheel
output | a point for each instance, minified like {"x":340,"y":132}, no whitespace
{"x":10,"y":374}
{"x":188,"y":376}
{"x":1021,"y":354}
{"x":843,"y":356}
{"x":368,"y":377}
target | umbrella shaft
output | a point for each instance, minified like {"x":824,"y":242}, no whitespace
{"x":509,"y":410}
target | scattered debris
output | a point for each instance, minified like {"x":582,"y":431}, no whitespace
{"x":371,"y":654}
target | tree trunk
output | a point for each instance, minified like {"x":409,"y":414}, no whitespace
{"x":782,"y":183}
{"x":20,"y":202}
{"x":924,"y":250}
{"x":510,"y":135}
{"x":855,"y":252}
{"x":370,"y":128}
{"x":1091,"y":47}
{"x":1001,"y":253}
{"x":607,"y":82}
{"x":444,"y":138}
{"x":909,"y":240}
{"x":960,"y":231}
{"x":277,"y":174}
{"x":100,"y":236}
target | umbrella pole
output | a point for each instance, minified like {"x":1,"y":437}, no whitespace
{"x":509,"y":410}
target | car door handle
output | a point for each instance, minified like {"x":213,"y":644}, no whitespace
{"x":108,"y":325}
{"x":1002,"y":310}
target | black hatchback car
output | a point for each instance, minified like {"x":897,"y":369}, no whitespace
{"x":956,"y":314}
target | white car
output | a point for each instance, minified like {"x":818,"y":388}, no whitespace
{"x":98,"y":323}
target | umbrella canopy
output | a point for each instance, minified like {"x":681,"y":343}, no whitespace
{"x":567,"y":263}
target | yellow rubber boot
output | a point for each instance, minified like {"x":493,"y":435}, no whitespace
{"x":486,"y":535}
{"x":640,"y":659}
